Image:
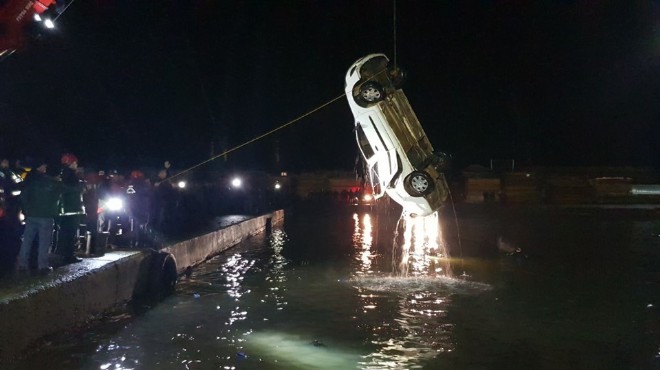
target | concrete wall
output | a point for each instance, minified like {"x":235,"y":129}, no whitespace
{"x":196,"y":250}
{"x":75,"y":294}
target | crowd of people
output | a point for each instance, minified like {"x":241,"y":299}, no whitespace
{"x":54,"y":211}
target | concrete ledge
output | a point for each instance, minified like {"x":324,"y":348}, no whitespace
{"x":34,"y":307}
{"x":197,"y":250}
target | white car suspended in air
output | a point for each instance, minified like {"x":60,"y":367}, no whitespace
{"x":399,"y":156}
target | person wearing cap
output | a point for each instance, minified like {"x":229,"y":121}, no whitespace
{"x":72,"y":209}
{"x":40,"y":203}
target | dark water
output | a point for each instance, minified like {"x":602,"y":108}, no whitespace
{"x":325,"y":291}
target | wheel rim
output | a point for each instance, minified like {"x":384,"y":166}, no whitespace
{"x":419,"y":183}
{"x":371,"y":94}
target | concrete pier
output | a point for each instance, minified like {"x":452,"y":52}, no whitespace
{"x":74,"y":295}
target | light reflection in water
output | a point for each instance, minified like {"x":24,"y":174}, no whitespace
{"x":419,"y":248}
{"x":419,"y":329}
{"x":362,"y":240}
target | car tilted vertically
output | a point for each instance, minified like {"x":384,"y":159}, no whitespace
{"x":399,"y":156}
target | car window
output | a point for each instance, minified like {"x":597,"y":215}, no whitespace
{"x":363,"y":143}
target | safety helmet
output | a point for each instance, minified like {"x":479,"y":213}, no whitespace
{"x":137,"y":175}
{"x":68,"y":159}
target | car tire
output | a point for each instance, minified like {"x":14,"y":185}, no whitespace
{"x":371,"y":92}
{"x":418,"y":183}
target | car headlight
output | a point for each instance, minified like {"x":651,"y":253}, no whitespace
{"x":367,"y":197}
{"x":114,"y":204}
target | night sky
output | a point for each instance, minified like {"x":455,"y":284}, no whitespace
{"x":132,"y":83}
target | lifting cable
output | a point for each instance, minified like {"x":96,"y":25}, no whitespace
{"x":394,"y":28}
{"x":458,"y":230}
{"x":256,"y":138}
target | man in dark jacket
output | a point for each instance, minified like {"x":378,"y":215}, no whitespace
{"x":40,"y":202}
{"x":72,"y":208}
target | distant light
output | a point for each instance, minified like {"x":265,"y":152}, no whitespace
{"x":37,"y":17}
{"x":278,"y":186}
{"x":367,"y":197}
{"x":16,"y":193}
{"x":181,"y":184}
{"x":283,"y":174}
{"x":49,"y":24}
{"x":236,"y":182}
{"x":115,"y":204}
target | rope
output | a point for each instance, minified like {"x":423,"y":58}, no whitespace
{"x":256,"y":138}
{"x":394,"y":28}
{"x":458,"y":229}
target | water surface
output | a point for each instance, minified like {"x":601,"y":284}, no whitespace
{"x":328,"y":290}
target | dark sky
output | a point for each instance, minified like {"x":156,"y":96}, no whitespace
{"x":131,"y":83}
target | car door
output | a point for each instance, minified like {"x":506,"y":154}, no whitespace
{"x":378,"y":151}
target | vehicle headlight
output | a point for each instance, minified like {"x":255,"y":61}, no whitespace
{"x":16,"y":193}
{"x":114,"y":204}
{"x":367,"y":197}
{"x":181,"y":184}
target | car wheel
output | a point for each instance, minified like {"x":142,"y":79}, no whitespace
{"x":370,"y":93}
{"x":418,"y":183}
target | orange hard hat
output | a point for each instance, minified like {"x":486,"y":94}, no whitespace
{"x":68,"y":158}
{"x":137,"y":175}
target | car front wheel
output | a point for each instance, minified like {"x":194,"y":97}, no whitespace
{"x":418,"y":183}
{"x":370,"y":92}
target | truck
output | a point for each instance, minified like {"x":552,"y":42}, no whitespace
{"x":25,"y":20}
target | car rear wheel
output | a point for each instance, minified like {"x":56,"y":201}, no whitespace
{"x":370,"y":93}
{"x":418,"y":183}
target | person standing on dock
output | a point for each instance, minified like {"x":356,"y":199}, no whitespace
{"x":39,"y":200}
{"x":72,"y":209}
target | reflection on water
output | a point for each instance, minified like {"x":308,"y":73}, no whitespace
{"x":421,"y":248}
{"x":362,"y":241}
{"x":417,"y":328}
{"x":335,"y":300}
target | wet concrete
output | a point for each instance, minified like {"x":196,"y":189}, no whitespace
{"x":32,"y":307}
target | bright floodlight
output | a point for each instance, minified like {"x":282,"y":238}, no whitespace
{"x":115,"y":204}
{"x":37,"y":17}
{"x":49,"y":23}
{"x":181,"y":184}
{"x":277,"y":186}
{"x":236,"y":182}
